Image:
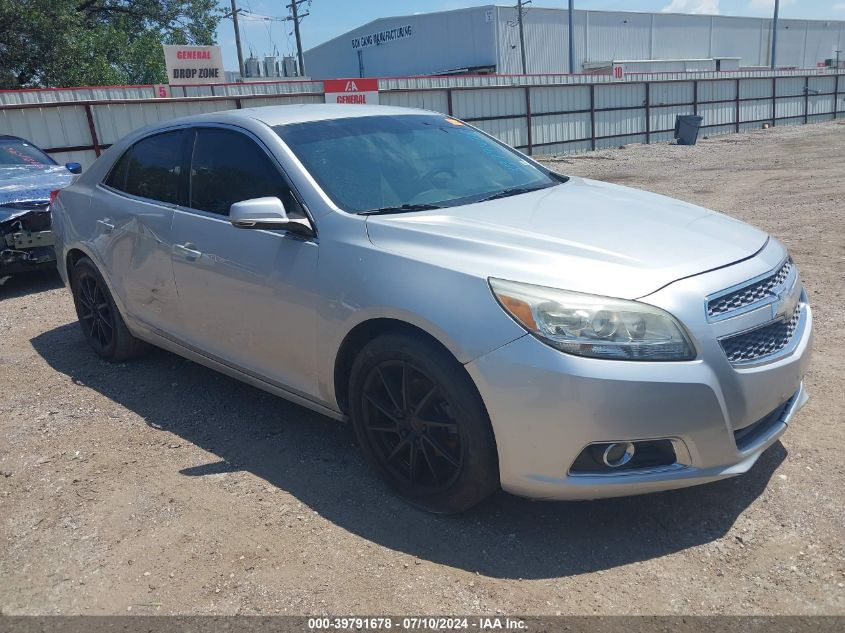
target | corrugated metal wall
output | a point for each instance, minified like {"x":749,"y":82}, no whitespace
{"x":673,"y":33}
{"x":484,"y":81}
{"x":114,"y":93}
{"x":539,"y":114}
{"x":623,"y":35}
{"x":746,"y":38}
{"x":251,"y":88}
{"x":489,"y":35}
{"x":62,"y":95}
{"x":439,"y":42}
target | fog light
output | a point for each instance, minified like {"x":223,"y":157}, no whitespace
{"x":620,"y":458}
{"x":618,"y":454}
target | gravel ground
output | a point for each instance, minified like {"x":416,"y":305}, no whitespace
{"x":161,"y":487}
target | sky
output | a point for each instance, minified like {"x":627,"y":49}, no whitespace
{"x":330,"y":18}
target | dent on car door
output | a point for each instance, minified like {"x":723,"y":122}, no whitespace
{"x":134,"y":220}
{"x":246,"y":296}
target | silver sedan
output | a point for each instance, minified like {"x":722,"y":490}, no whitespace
{"x":482,"y":321}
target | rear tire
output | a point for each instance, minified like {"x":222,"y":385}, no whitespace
{"x":101,"y":323}
{"x":422,"y":425}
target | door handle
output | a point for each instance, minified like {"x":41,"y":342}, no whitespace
{"x":106,"y":225}
{"x":188,"y":250}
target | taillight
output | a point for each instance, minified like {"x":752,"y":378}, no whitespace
{"x":53,"y":195}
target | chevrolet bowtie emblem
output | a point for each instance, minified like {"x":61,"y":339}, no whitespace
{"x":787,"y":300}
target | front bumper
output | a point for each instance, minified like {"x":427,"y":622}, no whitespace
{"x":26,"y":242}
{"x":546,"y":407}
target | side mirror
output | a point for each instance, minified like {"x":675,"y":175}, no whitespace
{"x":267,"y":213}
{"x":74,"y":168}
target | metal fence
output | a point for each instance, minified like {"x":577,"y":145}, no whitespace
{"x":538,"y":114}
{"x":111,"y":93}
{"x":559,"y":119}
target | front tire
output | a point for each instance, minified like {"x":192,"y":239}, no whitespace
{"x":102,"y":326}
{"x":422,"y":425}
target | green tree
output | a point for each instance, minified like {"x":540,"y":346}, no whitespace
{"x":53,"y":43}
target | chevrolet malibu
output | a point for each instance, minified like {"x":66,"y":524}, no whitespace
{"x":482,"y":321}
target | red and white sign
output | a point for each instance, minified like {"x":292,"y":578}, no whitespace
{"x":162,"y":91}
{"x":618,"y":72}
{"x":363,"y":91}
{"x":194,"y":65}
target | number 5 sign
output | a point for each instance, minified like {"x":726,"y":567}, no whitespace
{"x":162,"y":91}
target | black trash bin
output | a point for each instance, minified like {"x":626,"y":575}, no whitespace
{"x":686,"y":129}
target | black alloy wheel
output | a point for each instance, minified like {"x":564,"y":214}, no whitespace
{"x":101,"y":322}
{"x":95,"y":312}
{"x":421,"y":423}
{"x":411,"y":426}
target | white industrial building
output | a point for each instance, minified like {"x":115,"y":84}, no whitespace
{"x":486,"y":39}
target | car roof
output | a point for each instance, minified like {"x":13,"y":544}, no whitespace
{"x":303,"y":113}
{"x":253,"y":119}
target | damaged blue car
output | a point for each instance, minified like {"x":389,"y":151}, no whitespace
{"x":28,"y":177}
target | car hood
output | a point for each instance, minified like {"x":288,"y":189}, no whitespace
{"x":20,"y":184}
{"x":583,"y":235}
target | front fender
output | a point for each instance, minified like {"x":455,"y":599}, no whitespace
{"x":362,"y":282}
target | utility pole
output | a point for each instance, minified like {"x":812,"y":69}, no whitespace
{"x":775,"y":34}
{"x":296,"y":18}
{"x":235,"y":11}
{"x":519,"y":4}
{"x":571,"y":15}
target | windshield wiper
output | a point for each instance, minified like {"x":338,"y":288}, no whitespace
{"x":513,"y":191}
{"x":404,"y":208}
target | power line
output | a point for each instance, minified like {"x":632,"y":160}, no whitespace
{"x":775,"y":35}
{"x":234,"y":16}
{"x":250,"y":16}
{"x":520,"y":13}
{"x":570,"y":14}
{"x":296,"y":18}
{"x":257,"y":17}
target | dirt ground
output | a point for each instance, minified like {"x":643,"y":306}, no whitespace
{"x":161,"y":487}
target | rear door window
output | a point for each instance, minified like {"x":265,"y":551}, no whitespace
{"x":117,"y":176}
{"x":228,"y":167}
{"x":155,"y":168}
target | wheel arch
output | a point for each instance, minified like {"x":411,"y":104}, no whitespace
{"x":366,"y":331}
{"x":478,"y":476}
{"x":74,"y":255}
{"x":77,"y":252}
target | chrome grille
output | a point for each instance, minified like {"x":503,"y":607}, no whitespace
{"x":749,"y":294}
{"x":764,"y":341}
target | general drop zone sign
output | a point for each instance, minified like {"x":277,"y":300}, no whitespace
{"x":194,"y":65}
{"x":364,"y":91}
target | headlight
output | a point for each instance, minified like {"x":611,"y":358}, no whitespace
{"x":594,"y":326}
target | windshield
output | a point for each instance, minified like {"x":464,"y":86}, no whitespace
{"x":17,"y":152}
{"x":409,"y":162}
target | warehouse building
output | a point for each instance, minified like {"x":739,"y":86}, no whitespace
{"x":486,"y":40}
